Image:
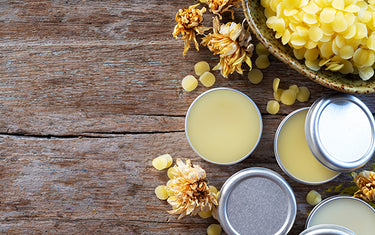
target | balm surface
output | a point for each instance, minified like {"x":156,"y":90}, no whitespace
{"x":347,"y":212}
{"x":295,"y":155}
{"x":223,"y":126}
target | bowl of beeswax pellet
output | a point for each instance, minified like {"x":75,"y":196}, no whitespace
{"x":330,"y":42}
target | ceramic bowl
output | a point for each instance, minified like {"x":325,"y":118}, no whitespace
{"x":350,"y":83}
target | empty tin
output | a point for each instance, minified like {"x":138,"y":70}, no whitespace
{"x":256,"y":201}
{"x":340,"y":131}
{"x":327,"y":229}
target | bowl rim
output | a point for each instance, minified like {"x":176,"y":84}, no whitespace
{"x":294,"y":64}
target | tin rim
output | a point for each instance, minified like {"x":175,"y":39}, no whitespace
{"x":315,"y":144}
{"x":327,"y":229}
{"x":327,"y":200}
{"x":260,"y":124}
{"x":276,"y":151}
{"x":231,"y":183}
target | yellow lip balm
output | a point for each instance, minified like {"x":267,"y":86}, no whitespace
{"x":293,"y":153}
{"x":223,"y":126}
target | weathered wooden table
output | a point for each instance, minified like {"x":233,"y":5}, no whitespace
{"x":89,"y":94}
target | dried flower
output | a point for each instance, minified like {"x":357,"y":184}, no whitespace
{"x":366,"y":183}
{"x":190,"y":189}
{"x":232,"y":42}
{"x":218,"y":7}
{"x":188,"y":23}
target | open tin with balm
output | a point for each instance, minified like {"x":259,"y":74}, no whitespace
{"x":347,"y":211}
{"x":257,"y":201}
{"x":336,"y":134}
{"x":223,"y":126}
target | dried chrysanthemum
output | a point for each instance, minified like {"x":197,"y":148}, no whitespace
{"x":218,"y":7}
{"x":366,"y":183}
{"x":188,"y":23}
{"x":232,"y":42}
{"x":190,"y":190}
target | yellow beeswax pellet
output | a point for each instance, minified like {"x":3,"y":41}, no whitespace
{"x":299,"y":53}
{"x":172,"y":172}
{"x":255,"y":76}
{"x":273,"y":107}
{"x":275,"y":84}
{"x":313,"y":198}
{"x":277,"y":94}
{"x":261,"y":50}
{"x":366,"y":73}
{"x":207,"y":79}
{"x":201,"y":67}
{"x":262,"y":62}
{"x":169,"y":159}
{"x":346,"y":52}
{"x":212,"y":189}
{"x":189,"y":83}
{"x":294,"y":88}
{"x":303,"y":94}
{"x":288,"y":97}
{"x":205,"y":214}
{"x":161,"y":192}
{"x":347,"y":68}
{"x":214,"y":229}
{"x":327,"y":15}
{"x":160,"y":163}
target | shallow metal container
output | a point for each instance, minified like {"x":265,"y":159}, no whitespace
{"x":327,"y":229}
{"x":239,"y":92}
{"x":340,"y":132}
{"x":253,"y":199}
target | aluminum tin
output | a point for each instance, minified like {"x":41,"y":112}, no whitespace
{"x":327,"y":229}
{"x":327,"y":200}
{"x":277,"y":152}
{"x":340,"y":131}
{"x":230,"y":89}
{"x":255,"y":198}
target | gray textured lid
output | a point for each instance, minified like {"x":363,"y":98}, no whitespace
{"x":253,"y":199}
{"x":327,"y":229}
{"x":340,"y":131}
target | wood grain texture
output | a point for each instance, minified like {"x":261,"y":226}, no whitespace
{"x":89,"y":95}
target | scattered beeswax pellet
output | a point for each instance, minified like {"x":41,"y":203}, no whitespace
{"x":277,"y":94}
{"x":161,"y":192}
{"x":172,"y":173}
{"x":288,"y":97}
{"x":214,"y":229}
{"x":169,"y":159}
{"x":212,"y":189}
{"x":262,"y":62}
{"x":189,"y":83}
{"x":273,"y":107}
{"x":313,"y":197}
{"x":294,"y":88}
{"x":160,"y":163}
{"x":205,"y":214}
{"x":261,"y":50}
{"x":207,"y":79}
{"x":255,"y":76}
{"x":275,"y":84}
{"x":201,"y":67}
{"x":303,"y":94}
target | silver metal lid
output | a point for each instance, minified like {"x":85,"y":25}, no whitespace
{"x":340,"y":131}
{"x":254,"y":198}
{"x":327,"y":229}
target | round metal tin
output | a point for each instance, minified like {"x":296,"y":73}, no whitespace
{"x":327,"y":229}
{"x":276,"y":151}
{"x":255,"y":198}
{"x":244,"y":95}
{"x":332,"y":199}
{"x":340,"y":131}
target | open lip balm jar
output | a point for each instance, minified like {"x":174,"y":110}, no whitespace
{"x":347,"y":211}
{"x":256,"y":200}
{"x":336,"y":134}
{"x":223,"y":126}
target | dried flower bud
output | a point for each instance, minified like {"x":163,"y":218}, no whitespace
{"x":218,"y":7}
{"x":188,"y":23}
{"x":366,"y":183}
{"x":232,"y":42}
